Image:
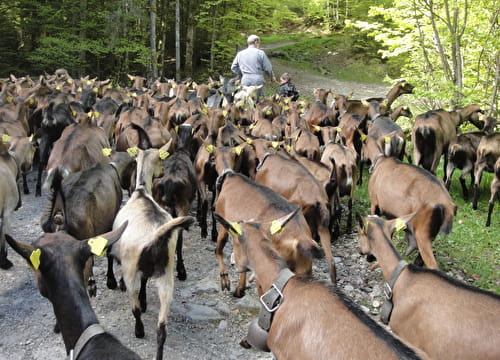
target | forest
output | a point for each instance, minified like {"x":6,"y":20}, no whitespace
{"x":448,"y":48}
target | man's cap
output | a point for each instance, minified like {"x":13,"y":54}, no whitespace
{"x":251,"y":39}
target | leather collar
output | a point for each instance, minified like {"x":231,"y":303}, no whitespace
{"x":386,"y":310}
{"x":88,"y":333}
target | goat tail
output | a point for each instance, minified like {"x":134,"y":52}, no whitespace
{"x":425,"y":142}
{"x":441,"y":221}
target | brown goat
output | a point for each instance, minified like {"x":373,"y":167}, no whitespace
{"x":488,"y":151}
{"x":295,"y":183}
{"x":79,"y":147}
{"x":432,"y":133}
{"x":241,"y":199}
{"x":24,"y":150}
{"x":495,"y":191}
{"x":343,"y":160}
{"x":429,"y":310}
{"x":328,"y":324}
{"x":397,"y":189}
{"x":462,"y":155}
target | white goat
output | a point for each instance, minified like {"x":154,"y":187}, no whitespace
{"x":147,"y":247}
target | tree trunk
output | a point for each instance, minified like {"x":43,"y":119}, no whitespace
{"x":152,"y":40}
{"x":177,"y":40}
{"x":191,"y":24}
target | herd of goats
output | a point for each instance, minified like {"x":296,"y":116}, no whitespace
{"x":273,"y":174}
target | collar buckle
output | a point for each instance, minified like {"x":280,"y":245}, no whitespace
{"x":272,"y":299}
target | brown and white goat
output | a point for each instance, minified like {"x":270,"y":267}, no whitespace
{"x":241,"y":199}
{"x":488,"y":151}
{"x":294,"y":182}
{"x":146,"y":248}
{"x":397,"y":189}
{"x":328,"y":324}
{"x":431,"y":311}
{"x":57,"y":260}
{"x":432,"y":133}
{"x":10,"y":198}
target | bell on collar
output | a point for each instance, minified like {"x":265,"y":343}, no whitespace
{"x":257,"y":336}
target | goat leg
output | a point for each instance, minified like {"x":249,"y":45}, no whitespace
{"x":161,"y":336}
{"x":139,"y":326}
{"x":4,"y":262}
{"x":110,"y":275}
{"x":181,"y":270}
{"x":142,"y":295}
{"x":26,"y":189}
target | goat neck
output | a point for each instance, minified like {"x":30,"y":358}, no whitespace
{"x":374,"y":236}
{"x":263,"y":259}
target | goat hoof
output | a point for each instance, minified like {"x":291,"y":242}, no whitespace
{"x":92,"y":288}
{"x":225,"y":284}
{"x":239,"y":292}
{"x":244,"y":343}
{"x":5,"y":264}
{"x":123,"y":287}
{"x":139,"y":332}
{"x":181,"y":274}
{"x":111,"y":283}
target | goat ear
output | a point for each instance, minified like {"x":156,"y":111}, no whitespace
{"x":97,"y":245}
{"x":401,"y":224}
{"x":22,"y":249}
{"x":361,"y":221}
{"x":232,"y":228}
{"x":278,"y":225}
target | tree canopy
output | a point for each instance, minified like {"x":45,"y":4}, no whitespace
{"x":449,"y":48}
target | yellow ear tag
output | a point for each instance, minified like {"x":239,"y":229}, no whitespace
{"x":134,"y":94}
{"x":249,"y":141}
{"x":31,"y":138}
{"x":387,"y":139}
{"x":363,"y":137}
{"x":133,"y":151}
{"x":98,"y":245}
{"x":317,"y":128}
{"x":106,"y":151}
{"x":289,"y":148}
{"x":275,"y":144}
{"x":164,"y":154}
{"x":251,"y":126}
{"x":204,"y":111}
{"x":58,"y":87}
{"x":365,"y":227}
{"x":89,"y":82}
{"x":89,"y":114}
{"x":296,"y":138}
{"x":238,"y":150}
{"x":268,"y":112}
{"x":5,"y":138}
{"x":79,"y":89}
{"x":236,"y":229}
{"x":339,"y":129}
{"x":174,"y":85}
{"x":73,"y":113}
{"x":177,"y":128}
{"x":399,"y":225}
{"x":209,"y":148}
{"x":35,"y":258}
{"x":286,"y":108}
{"x":275,"y":228}
{"x":224,"y":113}
{"x":96,"y":90}
{"x":31,"y":101}
{"x":96,"y":113}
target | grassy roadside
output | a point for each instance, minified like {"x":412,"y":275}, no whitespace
{"x":471,"y":248}
{"x":343,"y":56}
